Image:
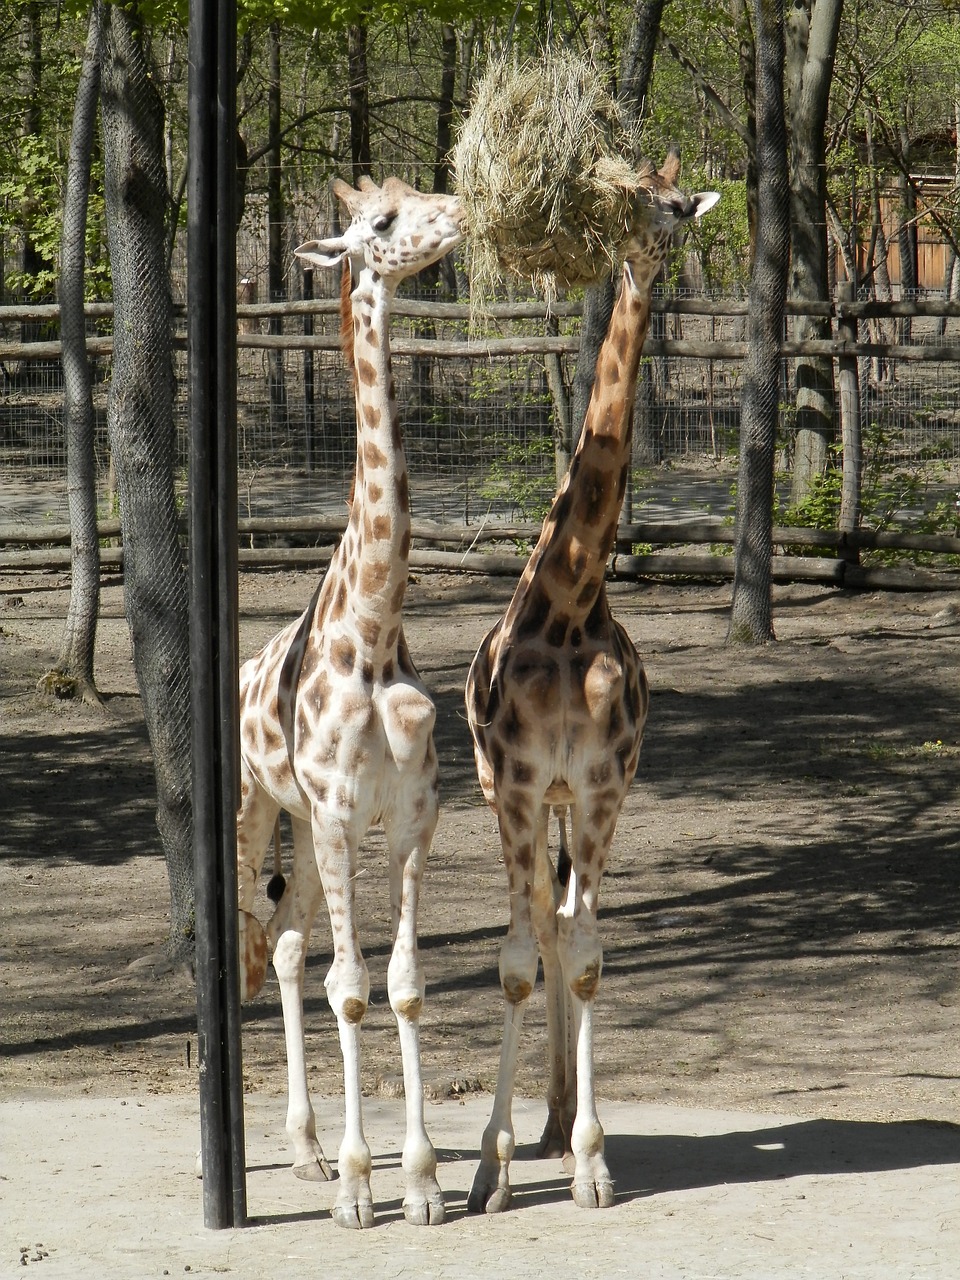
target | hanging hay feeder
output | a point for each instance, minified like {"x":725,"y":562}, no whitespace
{"x":543,"y":172}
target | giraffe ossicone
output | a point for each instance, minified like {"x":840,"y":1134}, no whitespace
{"x":336,"y":728}
{"x":556,"y":701}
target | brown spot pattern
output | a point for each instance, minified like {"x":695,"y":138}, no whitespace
{"x":343,"y":655}
{"x":373,"y":456}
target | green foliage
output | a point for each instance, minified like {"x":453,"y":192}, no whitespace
{"x":336,"y":14}
{"x":30,"y":195}
{"x":720,"y":242}
{"x":521,"y":473}
{"x":895,"y":494}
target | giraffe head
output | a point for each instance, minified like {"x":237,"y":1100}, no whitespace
{"x":667,"y":209}
{"x":395,"y":230}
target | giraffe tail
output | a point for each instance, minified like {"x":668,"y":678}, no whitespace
{"x":277,"y":882}
{"x":564,"y":865}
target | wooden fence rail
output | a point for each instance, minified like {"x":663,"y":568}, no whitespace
{"x":47,"y":548}
{"x":536,"y":344}
{"x":456,"y":547}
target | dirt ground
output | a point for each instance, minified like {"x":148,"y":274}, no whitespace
{"x":780,"y":918}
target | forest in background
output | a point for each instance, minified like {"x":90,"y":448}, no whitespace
{"x":342,"y":89}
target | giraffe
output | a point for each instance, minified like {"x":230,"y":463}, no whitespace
{"x":336,"y":727}
{"x":556,"y":701}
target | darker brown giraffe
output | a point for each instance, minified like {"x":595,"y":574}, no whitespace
{"x":556,"y":700}
{"x":337,"y":729}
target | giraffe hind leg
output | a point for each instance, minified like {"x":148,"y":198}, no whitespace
{"x":561,"y":1087}
{"x":289,"y":932}
{"x":257,"y":815}
{"x":335,"y":836}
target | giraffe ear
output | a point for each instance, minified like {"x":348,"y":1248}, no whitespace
{"x":700,"y":202}
{"x":323,"y":253}
{"x":670,"y":172}
{"x":346,"y":194}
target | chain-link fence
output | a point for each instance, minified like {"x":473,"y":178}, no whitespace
{"x":480,"y":428}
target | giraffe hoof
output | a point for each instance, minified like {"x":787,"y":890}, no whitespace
{"x":553,"y":1145}
{"x":593,"y":1195}
{"x":315,"y":1171}
{"x":499,"y":1201}
{"x":424,"y":1213}
{"x":481,"y":1200}
{"x":353,"y":1217}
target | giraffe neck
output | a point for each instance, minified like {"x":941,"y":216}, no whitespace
{"x":374,"y":553}
{"x":579,"y":532}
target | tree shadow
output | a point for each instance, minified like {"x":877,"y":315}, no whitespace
{"x":659,"y":1163}
{"x":86,"y":795}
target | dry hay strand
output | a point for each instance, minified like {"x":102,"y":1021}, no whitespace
{"x":543,"y":173}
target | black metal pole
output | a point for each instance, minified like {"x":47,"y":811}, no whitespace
{"x":211,"y":347}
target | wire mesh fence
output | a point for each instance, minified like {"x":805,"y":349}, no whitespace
{"x":479,"y":427}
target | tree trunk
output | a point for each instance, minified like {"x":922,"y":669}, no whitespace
{"x":359,"y":100}
{"x":560,"y":398}
{"x":747,"y":63}
{"x":751,"y":620}
{"x":882,"y":331}
{"x":907,"y":231}
{"x":31,"y":95}
{"x":140,"y":421}
{"x":73,"y":673}
{"x":439,"y":279}
{"x":638,"y":59}
{"x":598,"y":299}
{"x":597,"y":310}
{"x":812,"y":42}
{"x":445,"y":108}
{"x":276,"y":274}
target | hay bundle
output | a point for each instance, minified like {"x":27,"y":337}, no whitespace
{"x":542,"y":170}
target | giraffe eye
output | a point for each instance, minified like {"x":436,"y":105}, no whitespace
{"x":384,"y":221}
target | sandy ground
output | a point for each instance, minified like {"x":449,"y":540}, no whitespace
{"x":777,"y":1046}
{"x":110,"y":1191}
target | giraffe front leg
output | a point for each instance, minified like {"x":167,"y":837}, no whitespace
{"x":423,"y":1201}
{"x":348,"y":990}
{"x":354,"y":1206}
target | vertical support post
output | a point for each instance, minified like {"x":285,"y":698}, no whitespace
{"x":851,"y":435}
{"x":212,"y":363}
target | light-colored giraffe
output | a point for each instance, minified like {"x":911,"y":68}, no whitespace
{"x":556,"y":700}
{"x":337,"y":729}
